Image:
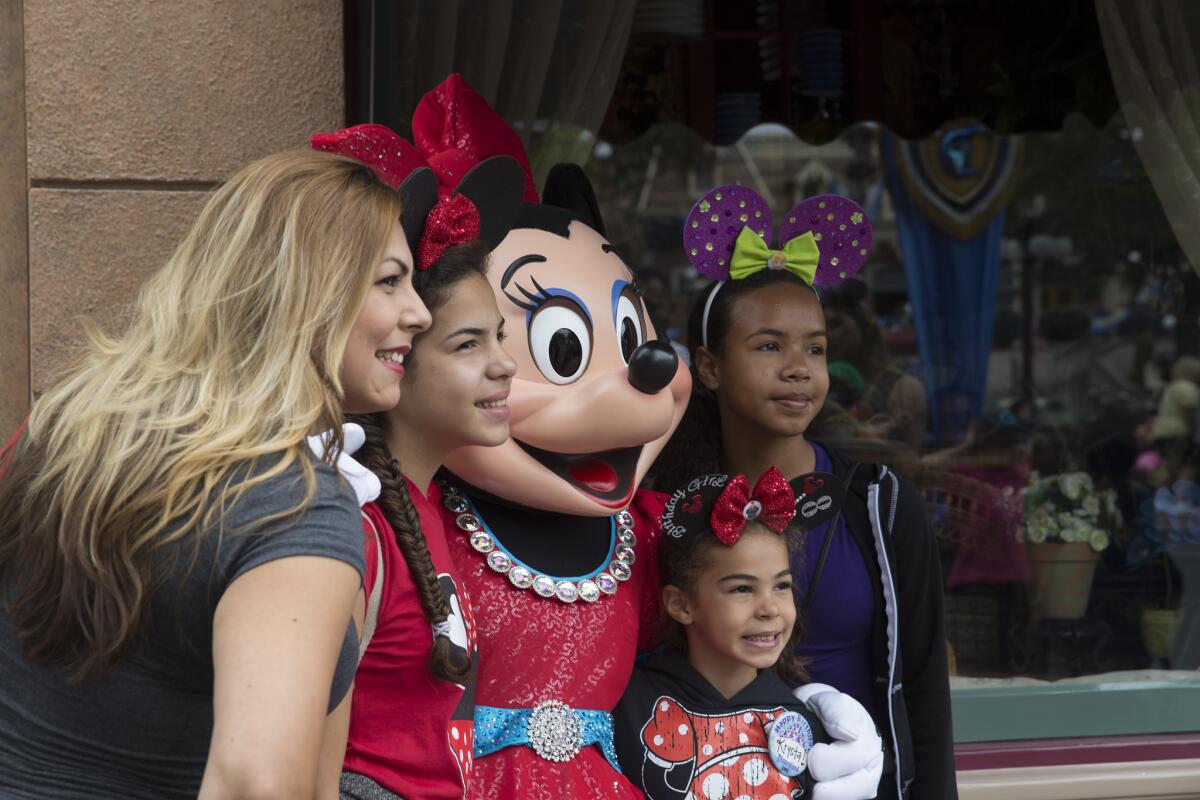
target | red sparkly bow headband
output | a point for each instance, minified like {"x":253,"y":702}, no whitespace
{"x":483,"y":205}
{"x":770,"y":502}
{"x":455,"y":129}
{"x":724,"y":504}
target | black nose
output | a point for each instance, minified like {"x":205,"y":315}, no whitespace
{"x":652,"y":366}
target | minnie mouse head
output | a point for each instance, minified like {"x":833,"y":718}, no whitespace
{"x":595,"y":397}
{"x":825,"y":239}
{"x":483,"y":205}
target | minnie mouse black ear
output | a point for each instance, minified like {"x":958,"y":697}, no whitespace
{"x":819,"y":496}
{"x":689,"y":509}
{"x":567,"y":186}
{"x":496,"y":186}
{"x":418,"y":193}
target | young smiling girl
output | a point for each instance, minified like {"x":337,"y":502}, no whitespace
{"x":411,"y":728}
{"x":868,"y":582}
{"x":698,"y":714}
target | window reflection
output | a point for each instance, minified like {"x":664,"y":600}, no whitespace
{"x":1051,"y":422}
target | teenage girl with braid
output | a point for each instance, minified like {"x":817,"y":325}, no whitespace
{"x":411,"y":722}
{"x":868,"y":581}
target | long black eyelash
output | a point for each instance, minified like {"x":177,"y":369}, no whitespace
{"x":637,"y":287}
{"x":533,"y":301}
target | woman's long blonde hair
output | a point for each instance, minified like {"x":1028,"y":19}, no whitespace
{"x":233,"y":356}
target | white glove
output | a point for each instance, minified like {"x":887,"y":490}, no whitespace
{"x":362,"y":480}
{"x":850,"y":767}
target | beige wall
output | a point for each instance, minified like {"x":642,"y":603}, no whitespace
{"x":127,"y":113}
{"x":14,"y":250}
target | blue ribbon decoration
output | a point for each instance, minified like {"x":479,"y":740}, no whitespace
{"x":497,"y":728}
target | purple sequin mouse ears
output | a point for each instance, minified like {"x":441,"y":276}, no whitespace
{"x":839,"y":228}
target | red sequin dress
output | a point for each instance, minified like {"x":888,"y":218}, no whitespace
{"x":533,"y":649}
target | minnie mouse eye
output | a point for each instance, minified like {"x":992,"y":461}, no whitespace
{"x":630,"y":333}
{"x":560,"y":341}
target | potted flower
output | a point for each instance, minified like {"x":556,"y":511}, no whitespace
{"x":1067,"y":524}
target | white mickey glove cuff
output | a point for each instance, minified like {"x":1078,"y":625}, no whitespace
{"x":809,"y":690}
{"x":364,"y":482}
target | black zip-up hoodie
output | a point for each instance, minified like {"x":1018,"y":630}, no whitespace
{"x":675,"y":733}
{"x":886,"y":516}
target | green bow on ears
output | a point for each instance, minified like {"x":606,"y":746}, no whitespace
{"x":799,"y":256}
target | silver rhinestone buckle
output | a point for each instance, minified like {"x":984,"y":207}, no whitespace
{"x":555,"y":731}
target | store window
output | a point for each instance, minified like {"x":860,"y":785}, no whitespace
{"x":1022,"y":343}
{"x":1012,"y":346}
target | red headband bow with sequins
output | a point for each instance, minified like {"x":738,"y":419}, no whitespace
{"x":452,"y":220}
{"x":770,"y":502}
{"x":455,"y":131}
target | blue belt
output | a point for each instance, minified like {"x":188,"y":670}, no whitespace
{"x":555,"y":731}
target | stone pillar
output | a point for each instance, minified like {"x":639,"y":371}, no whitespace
{"x":135,"y":109}
{"x":14,"y":228}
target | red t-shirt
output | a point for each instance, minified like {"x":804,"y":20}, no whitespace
{"x":411,"y":732}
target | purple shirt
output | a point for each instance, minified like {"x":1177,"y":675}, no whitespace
{"x":837,"y":634}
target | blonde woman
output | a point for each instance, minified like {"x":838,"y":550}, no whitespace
{"x":177,"y":573}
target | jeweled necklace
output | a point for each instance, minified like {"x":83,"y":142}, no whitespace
{"x":618,"y":564}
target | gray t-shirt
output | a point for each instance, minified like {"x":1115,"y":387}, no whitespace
{"x":143,"y":731}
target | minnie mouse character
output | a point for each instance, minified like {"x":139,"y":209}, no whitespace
{"x":550,"y":540}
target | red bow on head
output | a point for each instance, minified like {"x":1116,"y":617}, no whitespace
{"x":453,"y":219}
{"x":456,"y":129}
{"x":377,"y":146}
{"x":771,"y":502}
